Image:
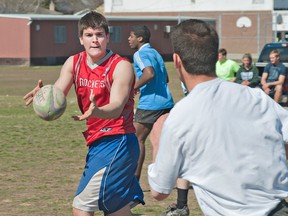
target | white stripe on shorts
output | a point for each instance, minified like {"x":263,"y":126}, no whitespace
{"x":87,"y":200}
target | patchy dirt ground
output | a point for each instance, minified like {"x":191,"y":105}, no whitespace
{"x":41,"y":162}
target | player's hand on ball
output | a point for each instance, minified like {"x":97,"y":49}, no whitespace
{"x":92,"y":109}
{"x":29,"y":96}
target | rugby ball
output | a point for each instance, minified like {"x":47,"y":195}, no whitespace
{"x":49,"y":103}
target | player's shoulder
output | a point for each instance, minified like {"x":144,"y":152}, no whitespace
{"x":282,"y":65}
{"x":268,"y":65}
{"x":231,"y":61}
{"x":124,"y":63}
{"x":69,"y":62}
{"x":180,"y":107}
{"x":121,"y":64}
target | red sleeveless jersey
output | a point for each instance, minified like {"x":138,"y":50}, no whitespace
{"x":100,"y":80}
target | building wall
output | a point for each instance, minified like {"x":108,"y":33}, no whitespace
{"x":116,"y":6}
{"x":34,"y":40}
{"x":30,"y":40}
{"x":15,"y":41}
{"x":159,"y":37}
{"x":44,"y":50}
{"x":246,"y":39}
{"x":281,"y":27}
{"x":237,"y":40}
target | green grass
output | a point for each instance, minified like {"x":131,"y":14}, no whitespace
{"x":41,"y":162}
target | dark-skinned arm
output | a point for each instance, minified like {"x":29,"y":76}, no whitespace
{"x":148,"y":74}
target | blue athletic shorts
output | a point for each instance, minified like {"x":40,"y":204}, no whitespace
{"x":108,"y":182}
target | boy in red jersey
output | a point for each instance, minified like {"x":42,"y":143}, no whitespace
{"x":104,"y":87}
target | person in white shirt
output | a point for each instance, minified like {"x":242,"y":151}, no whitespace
{"x":231,"y":150}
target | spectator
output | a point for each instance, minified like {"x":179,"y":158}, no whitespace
{"x":273,"y":76}
{"x":248,"y":73}
{"x":226,"y":69}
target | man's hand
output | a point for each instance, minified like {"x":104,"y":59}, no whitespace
{"x":245,"y":82}
{"x":136,"y":91}
{"x":266,"y":88}
{"x":92,"y":109}
{"x":30,"y":95}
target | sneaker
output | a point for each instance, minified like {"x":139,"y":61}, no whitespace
{"x":172,"y":210}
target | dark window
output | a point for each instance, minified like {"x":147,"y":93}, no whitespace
{"x":280,"y":5}
{"x":264,"y":57}
{"x":60,"y":34}
{"x":115,"y":34}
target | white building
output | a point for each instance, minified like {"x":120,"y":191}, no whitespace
{"x":179,"y":6}
{"x":243,"y":25}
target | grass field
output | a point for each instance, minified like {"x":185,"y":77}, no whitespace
{"x":41,"y":162}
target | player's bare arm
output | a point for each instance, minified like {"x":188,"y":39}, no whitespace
{"x":281,"y":80}
{"x":65,"y":80}
{"x":263,"y":80}
{"x":122,"y":83}
{"x":148,"y":74}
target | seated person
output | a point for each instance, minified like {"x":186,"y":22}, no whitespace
{"x":247,"y":74}
{"x":226,"y":69}
{"x":273,"y":76}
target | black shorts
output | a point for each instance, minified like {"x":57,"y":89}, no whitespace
{"x":272,"y":87}
{"x":149,"y":116}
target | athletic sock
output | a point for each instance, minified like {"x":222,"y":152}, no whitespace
{"x":182,"y":197}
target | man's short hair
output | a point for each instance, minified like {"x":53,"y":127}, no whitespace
{"x":248,"y":56}
{"x":142,"y":31}
{"x":196,"y":42}
{"x":92,"y":20}
{"x":276,"y":52}
{"x":223,"y":51}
